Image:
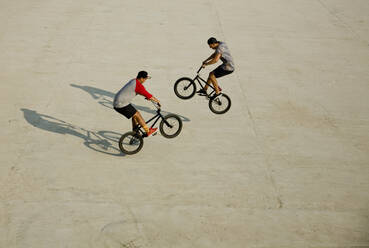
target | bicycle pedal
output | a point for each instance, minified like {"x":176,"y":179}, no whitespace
{"x":154,"y":133}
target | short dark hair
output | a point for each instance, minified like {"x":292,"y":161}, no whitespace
{"x":142,"y":74}
{"x":212,"y":40}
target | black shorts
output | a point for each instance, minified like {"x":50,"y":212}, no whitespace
{"x":220,"y":72}
{"x":128,"y":111}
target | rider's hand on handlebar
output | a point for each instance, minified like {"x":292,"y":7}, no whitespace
{"x":155,"y":101}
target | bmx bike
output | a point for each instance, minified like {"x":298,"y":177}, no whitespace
{"x":185,"y":88}
{"x":170,"y":127}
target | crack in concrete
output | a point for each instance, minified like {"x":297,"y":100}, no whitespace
{"x":261,"y":144}
{"x":344,"y":24}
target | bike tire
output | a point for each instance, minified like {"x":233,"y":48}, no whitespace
{"x":216,"y":105}
{"x":128,"y":148}
{"x":173,"y":120}
{"x":185,"y":88}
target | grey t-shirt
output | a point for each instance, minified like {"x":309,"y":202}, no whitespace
{"x":226,"y":57}
{"x":125,"y":94}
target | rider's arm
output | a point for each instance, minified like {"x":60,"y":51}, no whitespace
{"x":154,"y":99}
{"x":214,"y":59}
{"x":210,"y":58}
{"x":140,"y":89}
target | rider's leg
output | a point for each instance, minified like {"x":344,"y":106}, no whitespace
{"x":138,"y":118}
{"x":212,"y":80}
{"x":134,"y":123}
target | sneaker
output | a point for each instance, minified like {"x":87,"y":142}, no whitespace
{"x":215,"y":96}
{"x":202,"y":92}
{"x":152,"y":131}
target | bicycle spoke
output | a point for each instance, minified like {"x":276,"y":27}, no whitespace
{"x":130,"y":143}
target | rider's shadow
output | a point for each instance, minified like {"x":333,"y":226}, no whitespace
{"x":105,"y":98}
{"x":101,"y":141}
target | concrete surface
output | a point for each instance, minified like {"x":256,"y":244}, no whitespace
{"x":287,"y":166}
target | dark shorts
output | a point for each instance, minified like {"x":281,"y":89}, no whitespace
{"x":220,"y":72}
{"x":128,"y":111}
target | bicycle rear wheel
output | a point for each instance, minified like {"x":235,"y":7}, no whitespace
{"x":220,"y":104}
{"x":130,"y":143}
{"x":170,"y":126}
{"x":185,"y":88}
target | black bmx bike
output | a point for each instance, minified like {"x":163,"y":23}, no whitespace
{"x":170,"y":127}
{"x":185,"y":88}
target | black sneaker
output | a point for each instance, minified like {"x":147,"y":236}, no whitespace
{"x":202,"y":92}
{"x":215,"y":96}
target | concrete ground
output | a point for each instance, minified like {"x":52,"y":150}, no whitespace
{"x":287,"y":166}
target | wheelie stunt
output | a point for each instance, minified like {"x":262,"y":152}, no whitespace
{"x":219,"y":103}
{"x":221,"y":52}
{"x":132,"y":142}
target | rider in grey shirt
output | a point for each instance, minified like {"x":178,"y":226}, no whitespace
{"x":221,"y":52}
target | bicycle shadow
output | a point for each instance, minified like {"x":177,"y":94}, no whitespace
{"x":105,"y":98}
{"x":100,"y":141}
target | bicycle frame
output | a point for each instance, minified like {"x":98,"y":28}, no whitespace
{"x":198,"y":79}
{"x":158,"y":116}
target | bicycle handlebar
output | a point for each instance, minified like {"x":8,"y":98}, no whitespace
{"x":157,"y":105}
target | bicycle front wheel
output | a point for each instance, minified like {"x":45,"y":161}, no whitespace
{"x":130,"y":143}
{"x":185,"y":88}
{"x":170,"y":126}
{"x":220,"y":104}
